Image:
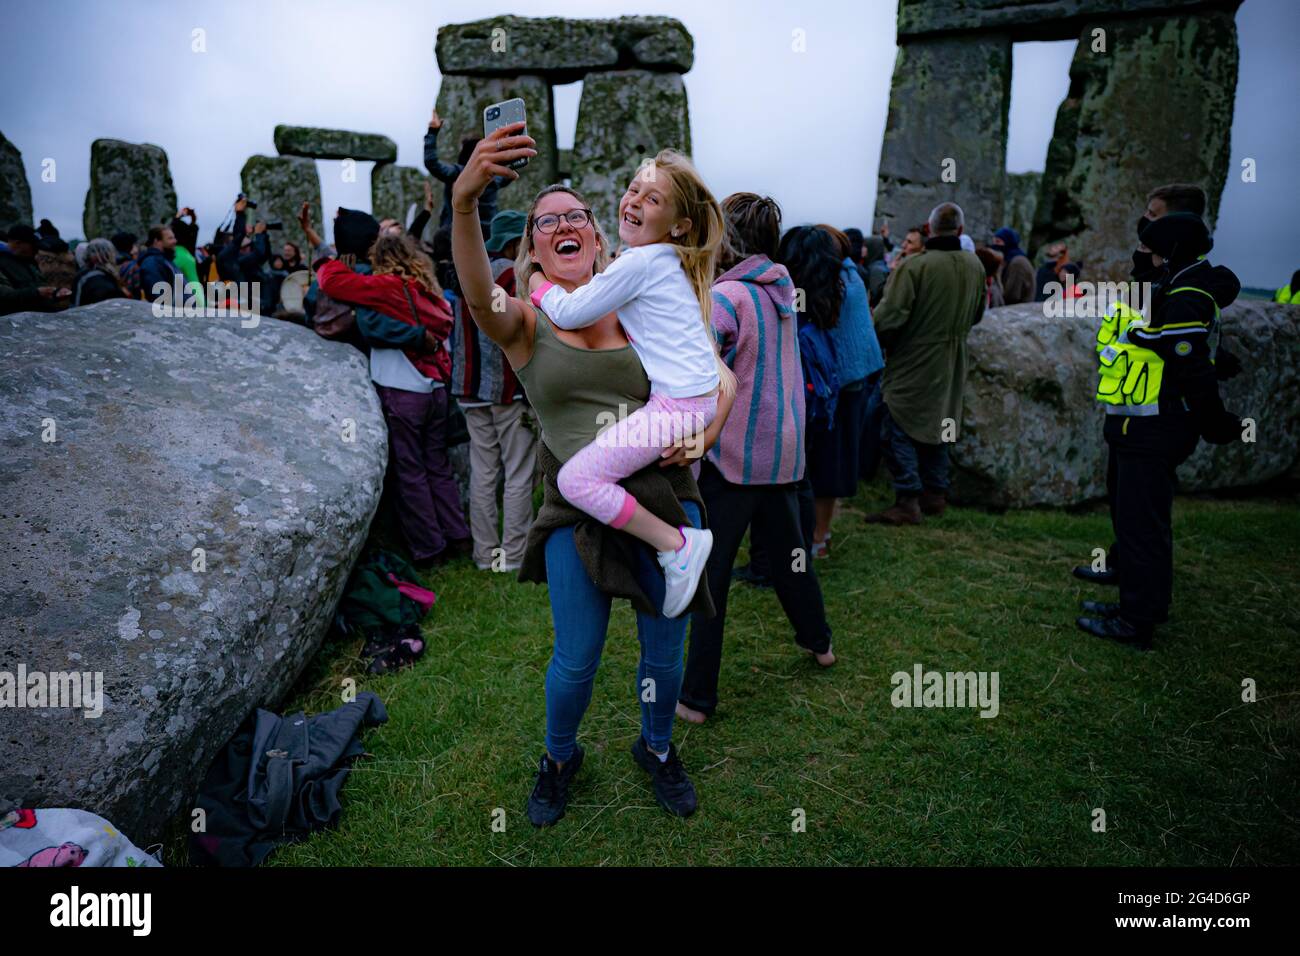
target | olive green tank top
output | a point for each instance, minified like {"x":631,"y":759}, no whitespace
{"x":577,"y":392}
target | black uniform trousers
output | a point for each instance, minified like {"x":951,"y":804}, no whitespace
{"x":1140,"y":483}
{"x":774,"y":512}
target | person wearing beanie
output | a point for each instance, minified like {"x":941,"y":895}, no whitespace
{"x":1159,"y":384}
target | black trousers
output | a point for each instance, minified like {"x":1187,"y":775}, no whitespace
{"x":1140,"y":483}
{"x":774,"y":512}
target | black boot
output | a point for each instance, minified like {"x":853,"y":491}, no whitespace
{"x":1101,"y":608}
{"x":1084,"y":572}
{"x":1117,"y":629}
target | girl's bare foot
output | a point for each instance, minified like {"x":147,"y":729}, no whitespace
{"x":690,"y":715}
{"x":826,"y":658}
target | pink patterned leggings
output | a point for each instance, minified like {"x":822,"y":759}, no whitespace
{"x":589,"y":480}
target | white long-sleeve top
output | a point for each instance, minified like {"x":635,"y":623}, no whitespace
{"x":658,"y":309}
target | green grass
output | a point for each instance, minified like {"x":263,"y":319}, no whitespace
{"x":1186,"y":772}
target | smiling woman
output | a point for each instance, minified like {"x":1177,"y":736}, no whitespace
{"x":575,"y":379}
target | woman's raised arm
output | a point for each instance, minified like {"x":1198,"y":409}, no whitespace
{"x":500,"y":316}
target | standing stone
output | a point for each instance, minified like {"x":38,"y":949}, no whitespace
{"x":130,"y":189}
{"x":186,"y":534}
{"x":1155,"y":108}
{"x":563,"y":50}
{"x":939,"y":112}
{"x":624,"y":118}
{"x":1031,"y":433}
{"x":15,"y":194}
{"x":1019,"y":200}
{"x":279,"y":185}
{"x":395,"y":189}
{"x":317,"y":143}
{"x":461,"y":101}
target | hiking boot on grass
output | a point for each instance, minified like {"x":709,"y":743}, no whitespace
{"x":550,"y":796}
{"x":906,"y":510}
{"x":673,"y":789}
{"x":933,"y":503}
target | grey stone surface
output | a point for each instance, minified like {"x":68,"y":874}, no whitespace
{"x":172,"y":434}
{"x":933,"y":118}
{"x":130,"y":189}
{"x":563,"y":49}
{"x":279,"y":185}
{"x":395,"y":189}
{"x":1030,"y":19}
{"x":1032,"y":433}
{"x":318,"y":143}
{"x":625,"y":117}
{"x":15,"y":194}
{"x":1155,"y":108}
{"x":1019,"y":200}
{"x":461,"y":101}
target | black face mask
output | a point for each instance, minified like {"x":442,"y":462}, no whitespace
{"x":1142,"y":224}
{"x":1144,"y":270}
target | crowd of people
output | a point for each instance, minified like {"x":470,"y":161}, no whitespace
{"x":715,"y":374}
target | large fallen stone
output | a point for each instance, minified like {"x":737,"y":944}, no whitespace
{"x":316,"y":143}
{"x":1036,"y":20}
{"x":130,"y":189}
{"x":461,"y":101}
{"x":169,"y":435}
{"x":397,"y":192}
{"x":1155,"y":108}
{"x":563,"y":49}
{"x":1032,"y":432}
{"x":279,"y":185}
{"x":946,"y":140}
{"x":625,"y":118}
{"x":15,"y":194}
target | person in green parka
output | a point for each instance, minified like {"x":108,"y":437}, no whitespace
{"x":930,"y":303}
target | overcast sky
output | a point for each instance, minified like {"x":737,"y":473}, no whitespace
{"x":802,"y":127}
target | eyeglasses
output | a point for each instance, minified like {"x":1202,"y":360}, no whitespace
{"x":577,"y":218}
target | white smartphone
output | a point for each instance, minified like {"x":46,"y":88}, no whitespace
{"x":503,"y":114}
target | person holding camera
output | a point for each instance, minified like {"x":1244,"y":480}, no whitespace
{"x":242,"y":257}
{"x":448,"y":172}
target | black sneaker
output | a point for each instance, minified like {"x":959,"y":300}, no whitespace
{"x":673,"y":789}
{"x":748,"y":575}
{"x":1101,"y":608}
{"x":1085,"y":572}
{"x":1117,"y":629}
{"x":550,"y":796}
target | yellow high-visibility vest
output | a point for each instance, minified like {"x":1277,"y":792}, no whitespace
{"x":1129,"y":374}
{"x":1286,"y":296}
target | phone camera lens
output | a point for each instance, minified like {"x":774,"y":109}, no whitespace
{"x":493,"y":113}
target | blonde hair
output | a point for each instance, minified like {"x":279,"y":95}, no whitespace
{"x":699,"y":248}
{"x":400,"y":256}
{"x":525,"y":266}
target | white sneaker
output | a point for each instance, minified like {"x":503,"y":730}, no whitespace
{"x":683,"y":569}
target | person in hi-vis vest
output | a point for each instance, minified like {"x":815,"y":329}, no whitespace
{"x":1159,"y":384}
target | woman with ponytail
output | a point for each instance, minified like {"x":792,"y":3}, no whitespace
{"x":749,"y":479}
{"x":672,"y":230}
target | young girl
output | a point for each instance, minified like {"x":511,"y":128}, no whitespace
{"x":672,"y":228}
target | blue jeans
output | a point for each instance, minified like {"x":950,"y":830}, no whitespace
{"x":915,"y":466}
{"x":580,"y":612}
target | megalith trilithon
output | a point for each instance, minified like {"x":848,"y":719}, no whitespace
{"x":130,"y":189}
{"x":624,"y":118}
{"x":1150,"y":103}
{"x":15,"y":194}
{"x":280,"y":185}
{"x":946,"y":135}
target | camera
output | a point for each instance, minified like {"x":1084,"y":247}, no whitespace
{"x":492,"y":113}
{"x":251,"y":204}
{"x":275,"y":224}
